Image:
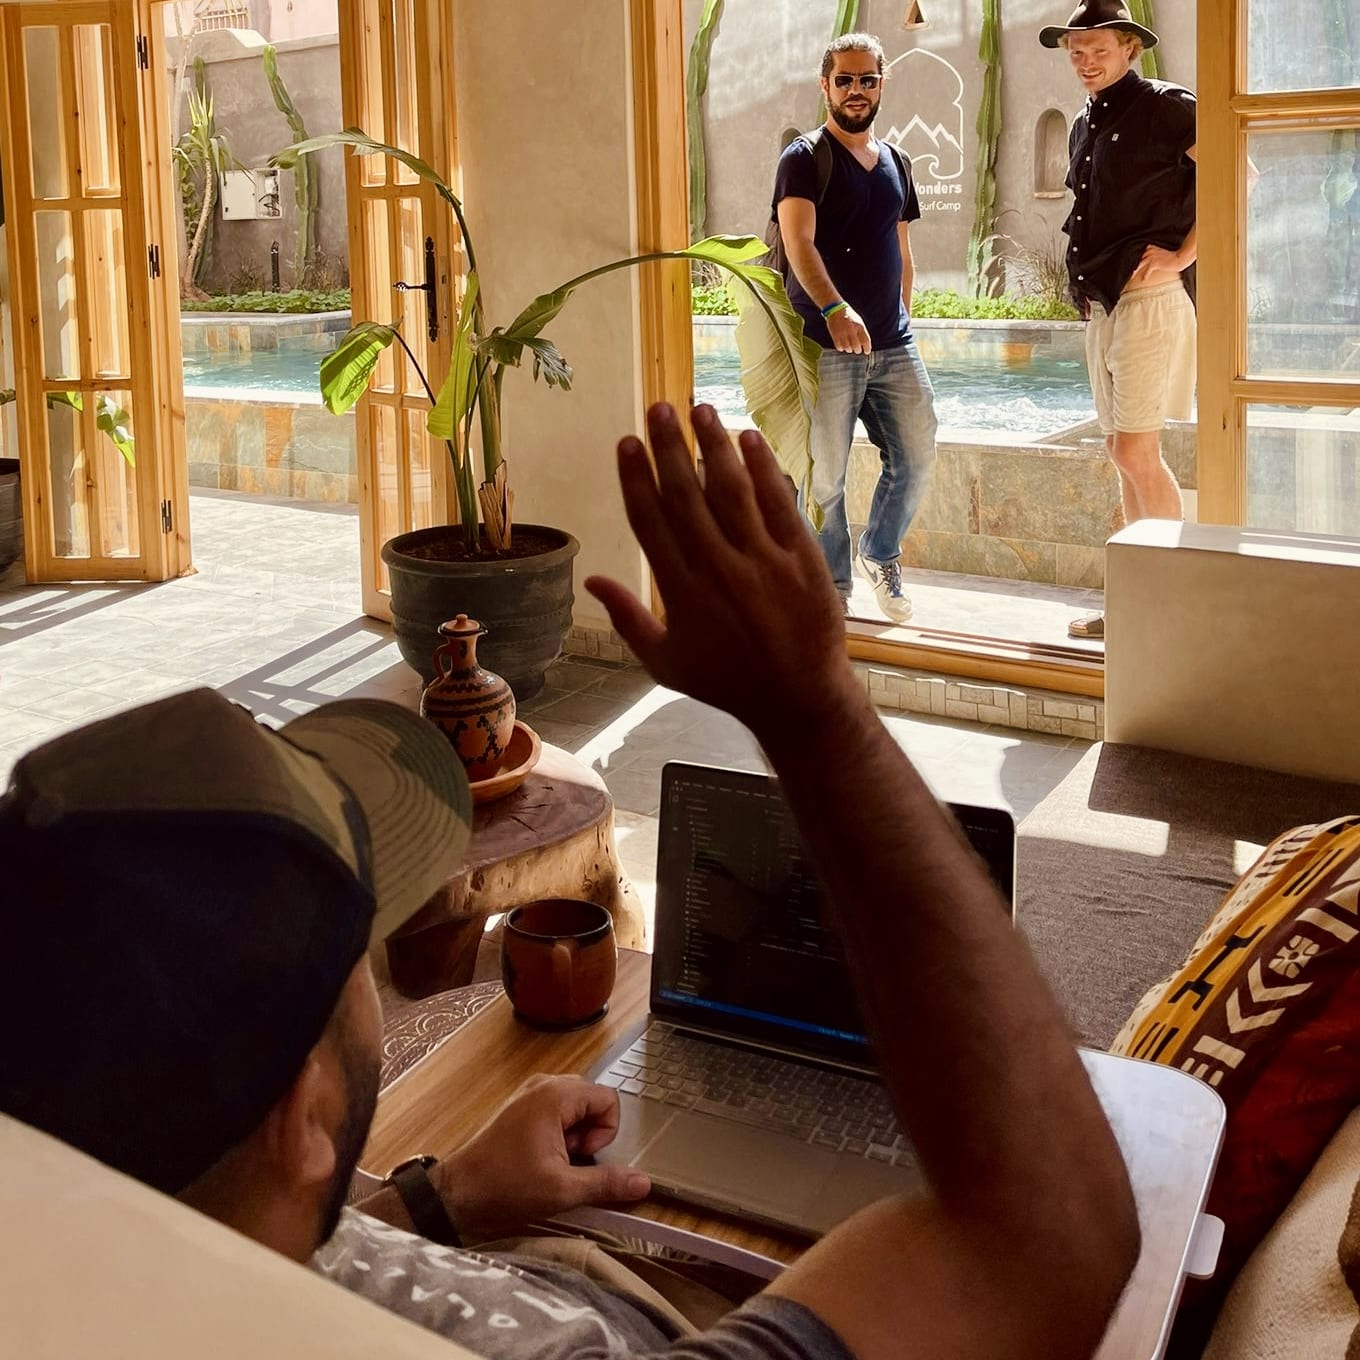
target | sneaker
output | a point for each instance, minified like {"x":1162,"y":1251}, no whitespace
{"x":886,"y":579}
{"x":845,"y":605}
{"x":1089,"y":629}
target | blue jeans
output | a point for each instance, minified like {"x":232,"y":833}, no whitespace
{"x":890,"y":391}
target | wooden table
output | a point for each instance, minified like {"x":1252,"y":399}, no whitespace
{"x":551,"y":837}
{"x":1168,"y":1124}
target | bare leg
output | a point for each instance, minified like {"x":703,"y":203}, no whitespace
{"x":1148,"y":486}
{"x":1128,"y":495}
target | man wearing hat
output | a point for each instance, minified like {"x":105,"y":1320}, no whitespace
{"x":1132,"y":251}
{"x":185,"y":993}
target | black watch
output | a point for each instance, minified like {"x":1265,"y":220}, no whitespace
{"x":411,"y":1180}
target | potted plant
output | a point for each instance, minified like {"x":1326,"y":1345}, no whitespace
{"x":517,"y":579}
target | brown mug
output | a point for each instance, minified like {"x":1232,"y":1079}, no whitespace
{"x":558,"y":962}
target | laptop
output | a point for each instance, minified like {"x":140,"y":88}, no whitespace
{"x":750,"y":1086}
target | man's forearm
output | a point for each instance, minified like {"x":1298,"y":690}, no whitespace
{"x":953,"y":952}
{"x":1189,"y":250}
{"x":810,"y":269}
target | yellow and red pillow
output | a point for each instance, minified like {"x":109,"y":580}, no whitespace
{"x":1266,"y":1010}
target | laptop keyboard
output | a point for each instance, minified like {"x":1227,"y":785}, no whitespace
{"x":813,"y":1104}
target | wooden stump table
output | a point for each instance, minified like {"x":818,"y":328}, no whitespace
{"x":551,"y":837}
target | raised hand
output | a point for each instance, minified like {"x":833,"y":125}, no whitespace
{"x":753,"y":623}
{"x":517,"y":1167}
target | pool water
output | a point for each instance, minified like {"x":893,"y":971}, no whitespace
{"x":974,"y":392}
{"x":288,"y":370}
{"x":979,"y":392}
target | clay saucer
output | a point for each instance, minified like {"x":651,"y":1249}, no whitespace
{"x":524,"y":751}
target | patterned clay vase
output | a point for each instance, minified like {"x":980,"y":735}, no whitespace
{"x":474,"y":708}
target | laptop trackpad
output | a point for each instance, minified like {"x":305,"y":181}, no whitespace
{"x":732,"y":1165}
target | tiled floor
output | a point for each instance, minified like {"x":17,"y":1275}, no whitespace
{"x":272,"y":618}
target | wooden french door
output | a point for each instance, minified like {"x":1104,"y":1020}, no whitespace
{"x":1279,"y":264}
{"x":94,"y":306}
{"x":396,"y":65}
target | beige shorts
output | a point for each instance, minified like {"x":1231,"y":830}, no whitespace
{"x":1141,"y":359}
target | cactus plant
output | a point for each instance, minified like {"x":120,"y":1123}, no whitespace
{"x":1140,"y":11}
{"x":696,"y":83}
{"x":304,"y":173}
{"x":979,"y":258}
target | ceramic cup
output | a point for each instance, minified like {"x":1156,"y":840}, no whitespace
{"x":558,"y":962}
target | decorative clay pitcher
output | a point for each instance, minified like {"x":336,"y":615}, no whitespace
{"x":475,"y":708}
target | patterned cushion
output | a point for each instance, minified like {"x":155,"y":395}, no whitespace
{"x":1266,"y":1010}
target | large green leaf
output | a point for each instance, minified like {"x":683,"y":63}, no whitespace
{"x":460,"y":382}
{"x":778,"y":371}
{"x":696,"y":83}
{"x":778,"y":362}
{"x":345,"y":371}
{"x":365,"y":146}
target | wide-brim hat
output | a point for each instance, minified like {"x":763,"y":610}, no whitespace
{"x":1093,"y":14}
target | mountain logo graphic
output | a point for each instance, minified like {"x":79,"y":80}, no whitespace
{"x":923,"y":107}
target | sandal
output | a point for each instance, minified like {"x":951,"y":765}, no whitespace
{"x":1089,"y":629}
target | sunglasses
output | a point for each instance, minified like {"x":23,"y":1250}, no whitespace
{"x":869,"y":82}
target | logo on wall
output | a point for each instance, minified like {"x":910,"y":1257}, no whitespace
{"x":928,"y":91}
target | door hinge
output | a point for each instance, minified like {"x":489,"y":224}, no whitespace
{"x":143,"y":52}
{"x":153,"y":261}
{"x":167,"y":518}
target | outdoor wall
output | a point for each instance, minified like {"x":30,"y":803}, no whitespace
{"x":929,"y":108}
{"x":255,"y":129}
{"x":548,"y":186}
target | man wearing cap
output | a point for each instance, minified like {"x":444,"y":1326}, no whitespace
{"x":185,"y":994}
{"x":1132,"y":251}
{"x":847,"y":237}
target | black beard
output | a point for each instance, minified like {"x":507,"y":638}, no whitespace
{"x":847,"y":123}
{"x":362,"y":1073}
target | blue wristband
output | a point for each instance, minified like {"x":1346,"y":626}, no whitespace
{"x":832,"y":308}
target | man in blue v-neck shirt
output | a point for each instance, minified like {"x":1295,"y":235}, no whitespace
{"x":850,"y":280}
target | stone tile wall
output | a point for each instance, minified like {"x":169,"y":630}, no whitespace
{"x":1027,"y":512}
{"x":271,"y":448}
{"x":912,"y":691}
{"x":245,"y":333}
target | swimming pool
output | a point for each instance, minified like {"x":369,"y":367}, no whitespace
{"x":986,"y":384}
{"x":1010,"y":384}
{"x":285,"y":371}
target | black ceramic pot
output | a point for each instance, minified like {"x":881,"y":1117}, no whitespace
{"x":11,"y":513}
{"x":524,"y":603}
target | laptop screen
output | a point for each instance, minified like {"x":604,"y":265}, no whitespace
{"x":743,"y":943}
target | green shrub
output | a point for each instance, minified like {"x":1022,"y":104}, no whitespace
{"x":299,"y":300}
{"x":930,"y":303}
{"x":941,"y":303}
{"x":711,"y":302}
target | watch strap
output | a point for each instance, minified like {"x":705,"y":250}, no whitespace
{"x":411,"y":1180}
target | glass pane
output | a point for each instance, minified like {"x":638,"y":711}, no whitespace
{"x":404,"y":82}
{"x":379,"y":262}
{"x":108,"y":293}
{"x":372,"y":169}
{"x":94,"y":99}
{"x":420,"y":449}
{"x":112,"y":460}
{"x":413,"y":308}
{"x":46,"y":111}
{"x":70,"y":504}
{"x":1302,"y":44}
{"x":387,"y":458}
{"x":1303,"y":254}
{"x":1303,"y":469}
{"x":57,"y":294}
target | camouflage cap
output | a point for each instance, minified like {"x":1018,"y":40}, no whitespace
{"x":187,"y":894}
